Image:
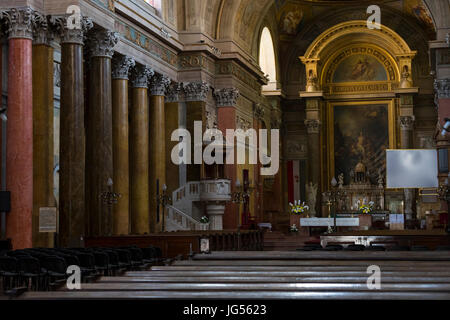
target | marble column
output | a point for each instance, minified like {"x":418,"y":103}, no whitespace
{"x":72,"y":213}
{"x":313,"y":137}
{"x":157,"y":151}
{"x":226,"y":100}
{"x":121,"y":164}
{"x":99,"y":153}
{"x":258,"y":118}
{"x":19,"y":158}
{"x":406,"y":142}
{"x":139,"y":150}
{"x":43,"y":137}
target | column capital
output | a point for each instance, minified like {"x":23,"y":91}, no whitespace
{"x":226,"y":97}
{"x":121,"y":66}
{"x":275,"y":123}
{"x":101,"y":43}
{"x":140,"y":76}
{"x":21,"y":22}
{"x":258,"y":111}
{"x":173,"y":92}
{"x":312,"y":125}
{"x":407,"y":122}
{"x":159,"y":84}
{"x":196,"y":91}
{"x":442,"y":88}
{"x":69,"y":31}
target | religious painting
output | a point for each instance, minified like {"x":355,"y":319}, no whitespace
{"x":292,"y":17}
{"x":358,"y":68}
{"x":360,"y":134}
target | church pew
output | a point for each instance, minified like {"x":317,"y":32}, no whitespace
{"x":182,"y":274}
{"x":237,"y":279}
{"x":296,"y":268}
{"x":233,"y":295}
{"x":295,"y":286}
{"x":307,"y":263}
{"x":327,"y":255}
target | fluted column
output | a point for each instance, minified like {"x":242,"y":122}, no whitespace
{"x":139,"y":154}
{"x":195,"y":94}
{"x":313,"y":137}
{"x":19,"y":158}
{"x":157,"y":160}
{"x":172,"y":122}
{"x":121,"y":165}
{"x":43,"y":150}
{"x":99,"y":155}
{"x":72,"y":207}
{"x":226,"y":100}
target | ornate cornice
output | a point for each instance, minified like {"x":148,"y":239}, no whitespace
{"x":407,"y":122}
{"x":71,"y":34}
{"x":121,"y":66}
{"x":442,"y":88}
{"x":173,"y":92}
{"x":196,"y":91}
{"x":312,"y":126}
{"x":159,"y":84}
{"x":21,"y":22}
{"x":101,"y":43}
{"x":140,"y":76}
{"x":258,"y":111}
{"x":226,"y":97}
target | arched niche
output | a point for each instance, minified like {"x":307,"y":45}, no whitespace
{"x":354,"y":38}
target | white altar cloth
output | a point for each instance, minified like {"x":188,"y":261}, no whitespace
{"x":325,"y":222}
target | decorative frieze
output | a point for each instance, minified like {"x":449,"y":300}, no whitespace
{"x":442,"y":88}
{"x":173,"y":93}
{"x":101,"y":43}
{"x":226,"y":97}
{"x":196,"y":91}
{"x":121,"y":66}
{"x":407,"y":122}
{"x":312,"y":126}
{"x":140,"y":75}
{"x":159,"y":84}
{"x":21,"y":22}
{"x":68,"y":32}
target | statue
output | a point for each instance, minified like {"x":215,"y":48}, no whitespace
{"x":311,"y":193}
{"x":380,"y":179}
{"x":341,"y":180}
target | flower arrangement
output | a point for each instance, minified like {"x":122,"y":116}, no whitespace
{"x":365,"y":208}
{"x":204,"y":219}
{"x":298,"y":207}
{"x":293,"y":228}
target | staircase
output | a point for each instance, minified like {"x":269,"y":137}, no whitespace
{"x":279,"y":241}
{"x":178,"y":220}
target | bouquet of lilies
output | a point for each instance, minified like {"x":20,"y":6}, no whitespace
{"x":366,"y":208}
{"x":298,"y":207}
{"x":204,"y":219}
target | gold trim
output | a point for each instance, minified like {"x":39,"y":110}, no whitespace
{"x":330,"y":128}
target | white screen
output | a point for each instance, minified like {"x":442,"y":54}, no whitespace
{"x":411,"y":168}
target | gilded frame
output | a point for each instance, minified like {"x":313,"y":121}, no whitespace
{"x":330,"y":127}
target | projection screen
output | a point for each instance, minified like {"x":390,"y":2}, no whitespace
{"x":412,"y":168}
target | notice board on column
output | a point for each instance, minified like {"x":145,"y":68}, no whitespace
{"x":47,"y":219}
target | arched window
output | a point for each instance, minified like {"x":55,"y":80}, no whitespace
{"x":267,"y":59}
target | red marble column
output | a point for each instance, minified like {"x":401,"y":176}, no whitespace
{"x":226,"y":119}
{"x":19,"y":159}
